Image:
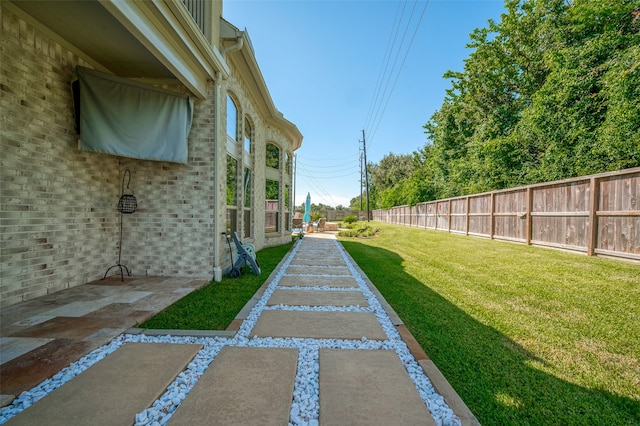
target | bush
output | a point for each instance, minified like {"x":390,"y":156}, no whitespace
{"x":350,"y":219}
{"x":361,"y":231}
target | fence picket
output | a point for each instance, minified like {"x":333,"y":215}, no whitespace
{"x":595,"y":214}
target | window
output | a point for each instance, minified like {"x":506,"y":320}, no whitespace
{"x":272,"y":205}
{"x":232,"y":194}
{"x":287,"y":163}
{"x":232,"y":119}
{"x":246,"y":197}
{"x":273,"y":156}
{"x":287,"y":208}
{"x":248,"y":135}
{"x":247,"y":203}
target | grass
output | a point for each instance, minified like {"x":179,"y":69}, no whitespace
{"x":526,"y":335}
{"x":214,"y":306}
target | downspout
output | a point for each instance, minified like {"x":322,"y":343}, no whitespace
{"x":219,"y":146}
{"x":236,"y":46}
{"x":217,"y":267}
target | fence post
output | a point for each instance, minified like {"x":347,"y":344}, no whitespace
{"x":493,"y":210}
{"x":467,"y":212}
{"x":593,"y":218}
{"x":449,"y":217}
{"x":529,"y":218}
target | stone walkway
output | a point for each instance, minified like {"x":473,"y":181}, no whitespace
{"x":317,"y":344}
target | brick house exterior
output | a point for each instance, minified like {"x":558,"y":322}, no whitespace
{"x":58,"y":218}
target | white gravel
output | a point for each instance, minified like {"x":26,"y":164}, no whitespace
{"x":305,"y":405}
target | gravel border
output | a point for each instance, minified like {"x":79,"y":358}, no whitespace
{"x":305,"y":405}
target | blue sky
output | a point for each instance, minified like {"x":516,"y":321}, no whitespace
{"x":336,"y":67}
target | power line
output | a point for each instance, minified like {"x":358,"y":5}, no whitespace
{"x":329,"y":167}
{"x":381,"y":107}
{"x":319,"y":189}
{"x":385,"y":66}
{"x":382,"y":90}
{"x":325,"y":172}
{"x":317,"y":160}
{"x":366,"y":173}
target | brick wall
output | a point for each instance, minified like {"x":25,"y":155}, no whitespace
{"x":58,"y":219}
{"x":57,"y":214}
{"x":60,"y":226}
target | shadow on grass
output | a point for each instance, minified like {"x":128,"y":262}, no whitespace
{"x":498,"y":379}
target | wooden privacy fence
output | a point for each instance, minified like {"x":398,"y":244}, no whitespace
{"x":338,"y":215}
{"x":596,"y":214}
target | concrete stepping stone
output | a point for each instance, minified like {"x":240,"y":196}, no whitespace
{"x":324,"y":253}
{"x":318,"y":252}
{"x":113,"y":390}
{"x":318,"y":262}
{"x":351,"y":379}
{"x":242,"y":386}
{"x":317,"y":270}
{"x":318,"y":281}
{"x":319,"y":325}
{"x":317,"y":298}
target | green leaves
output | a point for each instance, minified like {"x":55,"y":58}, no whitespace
{"x":551,"y":91}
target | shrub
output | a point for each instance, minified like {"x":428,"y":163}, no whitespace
{"x":350,"y":219}
{"x":361,"y":231}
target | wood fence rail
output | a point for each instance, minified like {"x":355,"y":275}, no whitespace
{"x":596,"y":214}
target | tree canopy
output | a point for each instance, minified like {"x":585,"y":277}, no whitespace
{"x":552,"y":91}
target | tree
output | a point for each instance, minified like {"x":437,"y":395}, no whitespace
{"x":552,"y":91}
{"x":386,"y":177}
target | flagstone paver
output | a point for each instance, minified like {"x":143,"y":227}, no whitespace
{"x":13,"y":347}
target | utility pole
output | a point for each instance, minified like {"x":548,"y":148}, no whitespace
{"x":361,"y":179}
{"x":366,"y":172}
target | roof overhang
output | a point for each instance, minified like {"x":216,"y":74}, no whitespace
{"x":144,"y":40}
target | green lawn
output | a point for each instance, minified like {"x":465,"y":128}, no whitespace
{"x":525,"y":335}
{"x":214,"y":306}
